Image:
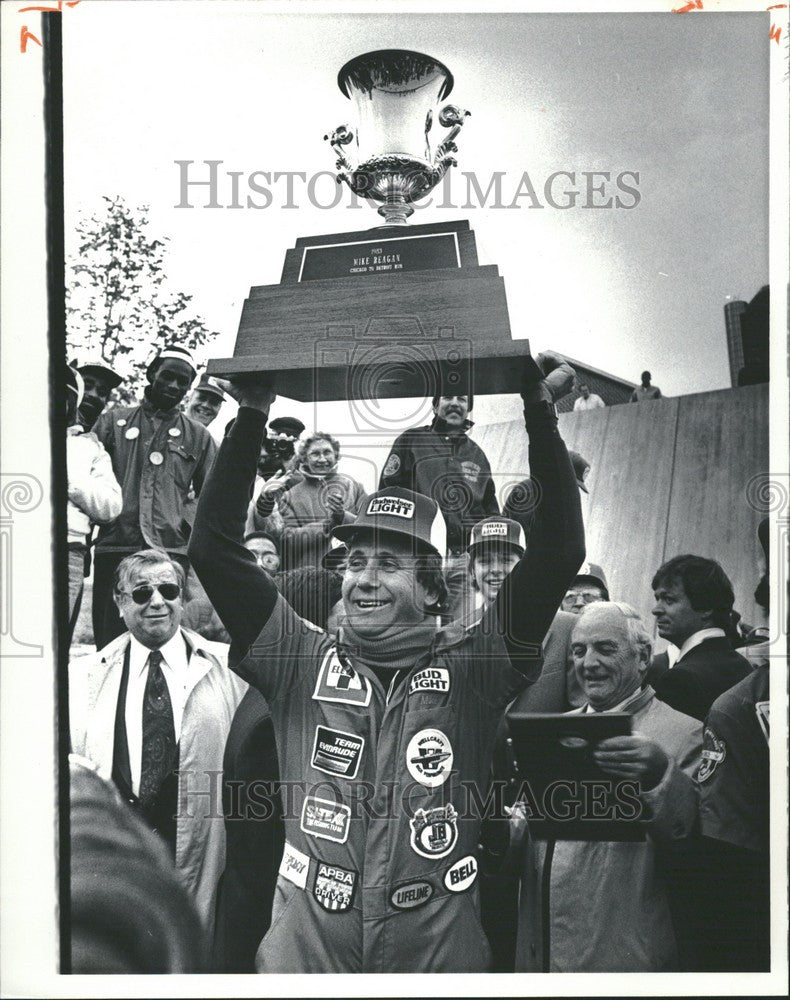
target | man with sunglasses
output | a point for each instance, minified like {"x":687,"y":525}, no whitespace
{"x":152,"y":711}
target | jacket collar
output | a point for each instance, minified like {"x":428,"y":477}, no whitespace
{"x":440,"y":426}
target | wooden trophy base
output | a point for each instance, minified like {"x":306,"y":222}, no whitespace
{"x":382,"y":314}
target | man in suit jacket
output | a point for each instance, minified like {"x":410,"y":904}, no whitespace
{"x":694,"y":600}
{"x":152,"y":711}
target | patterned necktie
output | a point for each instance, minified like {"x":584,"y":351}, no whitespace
{"x":159,"y":735}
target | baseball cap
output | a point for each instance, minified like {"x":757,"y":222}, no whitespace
{"x":336,"y":555}
{"x":497,"y":529}
{"x":211,"y":386}
{"x":398,"y":511}
{"x":112,"y":378}
{"x":593,"y":572}
{"x":74,"y":383}
{"x":286,"y":425}
{"x":580,"y":466}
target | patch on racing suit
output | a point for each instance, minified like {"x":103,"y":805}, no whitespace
{"x":461,"y":876}
{"x":471,"y":471}
{"x":294,"y":866}
{"x":714,"y":750}
{"x":434,"y":832}
{"x":339,"y":682}
{"x":410,"y":895}
{"x":334,"y":887}
{"x":392,"y":467}
{"x":325,"y":819}
{"x":429,"y":757}
{"x":431,"y":679}
{"x":336,"y":752}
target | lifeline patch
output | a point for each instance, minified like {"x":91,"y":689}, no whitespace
{"x":396,"y":506}
{"x":714,"y":751}
{"x":461,"y":876}
{"x":334,"y":887}
{"x":434,"y":832}
{"x":336,"y":752}
{"x":431,"y":679}
{"x":325,"y":819}
{"x":339,"y":682}
{"x":429,"y":757}
{"x":411,"y":895}
{"x":294,"y":866}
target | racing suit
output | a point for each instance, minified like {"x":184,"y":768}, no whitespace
{"x":379,"y":871}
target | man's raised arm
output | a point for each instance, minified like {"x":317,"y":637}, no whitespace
{"x":530,"y":596}
{"x":242,"y":593}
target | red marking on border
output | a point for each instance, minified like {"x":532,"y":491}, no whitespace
{"x":776,"y":33}
{"x":24,"y":35}
{"x":691,"y":5}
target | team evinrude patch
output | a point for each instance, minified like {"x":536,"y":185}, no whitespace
{"x":434,"y":832}
{"x":429,"y":757}
{"x":333,"y":887}
{"x":325,"y":819}
{"x":337,"y":752}
{"x":431,"y":679}
{"x":339,"y":682}
{"x":714,"y":751}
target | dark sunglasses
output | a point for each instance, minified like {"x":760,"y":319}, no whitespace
{"x":142,"y":595}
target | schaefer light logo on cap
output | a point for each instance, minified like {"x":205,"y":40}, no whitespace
{"x":493,"y":528}
{"x":434,"y":832}
{"x":334,"y":887}
{"x":714,"y":750}
{"x":396,"y":506}
{"x":325,"y":819}
{"x":429,"y":757}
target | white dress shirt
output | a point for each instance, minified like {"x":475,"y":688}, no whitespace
{"x":180,"y":682}
{"x":674,"y":655}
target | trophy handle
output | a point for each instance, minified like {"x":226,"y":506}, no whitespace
{"x":452,"y":117}
{"x":341,"y":136}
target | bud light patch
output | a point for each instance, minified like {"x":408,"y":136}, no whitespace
{"x":714,"y":751}
{"x":339,"y":682}
{"x":461,"y":876}
{"x":336,"y":752}
{"x":411,"y":895}
{"x":429,"y":757}
{"x":334,"y":887}
{"x":294,"y":866}
{"x":496,"y":528}
{"x":434,"y":832}
{"x":394,"y":506}
{"x":431,"y":679}
{"x":325,"y":819}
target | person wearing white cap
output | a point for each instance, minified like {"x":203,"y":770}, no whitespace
{"x":93,"y":491}
{"x":99,"y":381}
{"x":157,"y":454}
{"x":383,"y":730}
{"x":206,"y":401}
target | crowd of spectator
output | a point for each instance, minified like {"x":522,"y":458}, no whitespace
{"x":278,"y":652}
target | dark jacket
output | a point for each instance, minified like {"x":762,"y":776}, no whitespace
{"x":449,"y":468}
{"x":704,"y":673}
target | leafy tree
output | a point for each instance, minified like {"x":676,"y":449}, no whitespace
{"x":119,"y":306}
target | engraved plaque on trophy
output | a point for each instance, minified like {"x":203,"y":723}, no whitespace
{"x":397,"y":310}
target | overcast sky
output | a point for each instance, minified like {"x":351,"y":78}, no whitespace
{"x":680,"y":100}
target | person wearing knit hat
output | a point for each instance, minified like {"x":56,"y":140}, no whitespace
{"x":441,"y":461}
{"x":160,"y":456}
{"x":94,"y":496}
{"x":99,"y":381}
{"x":206,"y":400}
{"x":395,"y":707}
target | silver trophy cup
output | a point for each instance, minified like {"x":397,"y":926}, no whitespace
{"x":398,"y":150}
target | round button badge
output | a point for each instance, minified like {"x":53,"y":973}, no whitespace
{"x":429,"y":757}
{"x":132,"y":433}
{"x":121,"y":422}
{"x":156,"y":458}
{"x":174,"y":432}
